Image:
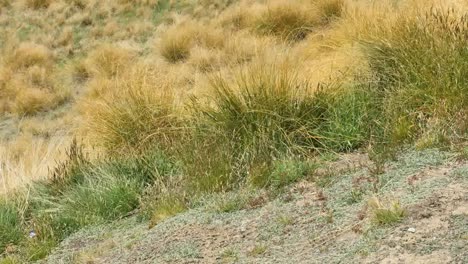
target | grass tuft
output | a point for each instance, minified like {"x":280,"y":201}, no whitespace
{"x":134,"y":113}
{"x":290,"y":20}
{"x":386,"y":213}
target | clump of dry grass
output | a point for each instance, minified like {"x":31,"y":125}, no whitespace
{"x":138,"y":110}
{"x":28,"y":159}
{"x":5,"y":3}
{"x":29,"y":54}
{"x":177,"y":42}
{"x":330,"y":9}
{"x":238,"y":17}
{"x":107,"y":61}
{"x":38,"y":4}
{"x":291,"y":20}
{"x":205,"y":60}
{"x":28,"y":82}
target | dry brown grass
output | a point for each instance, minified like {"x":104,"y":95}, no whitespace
{"x":177,"y":42}
{"x":29,"y":54}
{"x":28,"y":83}
{"x":291,"y":20}
{"x":137,"y":109}
{"x":107,"y":61}
{"x":28,"y":159}
{"x":38,"y":4}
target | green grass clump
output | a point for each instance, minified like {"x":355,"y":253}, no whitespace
{"x":422,"y":70}
{"x":352,"y":117}
{"x":267,"y":110}
{"x":283,"y":172}
{"x":10,"y":225}
{"x":102,"y":199}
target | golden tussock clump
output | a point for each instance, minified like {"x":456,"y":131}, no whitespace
{"x":27,"y":55}
{"x":109,"y":60}
{"x":137,"y":109}
{"x":28,"y":83}
{"x":291,"y":20}
{"x":178,"y":40}
{"x":38,"y":4}
{"x":28,"y":158}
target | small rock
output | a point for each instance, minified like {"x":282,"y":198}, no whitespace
{"x":32,"y":234}
{"x":411,"y":229}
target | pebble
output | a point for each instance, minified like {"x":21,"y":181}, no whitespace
{"x":412,"y":229}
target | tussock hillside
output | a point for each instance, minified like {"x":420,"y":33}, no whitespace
{"x":158,"y":112}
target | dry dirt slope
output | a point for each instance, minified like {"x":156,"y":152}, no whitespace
{"x":311,"y":222}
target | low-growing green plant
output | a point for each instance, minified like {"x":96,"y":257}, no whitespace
{"x":386,"y":213}
{"x":258,"y":250}
{"x":99,"y":200}
{"x":283,"y":172}
{"x":165,"y":207}
{"x":37,"y":249}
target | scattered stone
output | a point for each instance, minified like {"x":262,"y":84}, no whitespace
{"x":412,"y":229}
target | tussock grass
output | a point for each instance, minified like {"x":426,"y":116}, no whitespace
{"x":291,"y":20}
{"x":136,"y":111}
{"x":38,"y":4}
{"x":28,"y":55}
{"x":27,"y":160}
{"x":266,"y":108}
{"x":107,"y":61}
{"x":80,"y":193}
{"x":421,"y":70}
{"x":178,"y":40}
{"x":27,"y":82}
{"x":330,"y":8}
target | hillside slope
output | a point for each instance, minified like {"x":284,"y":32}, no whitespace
{"x":306,"y":223}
